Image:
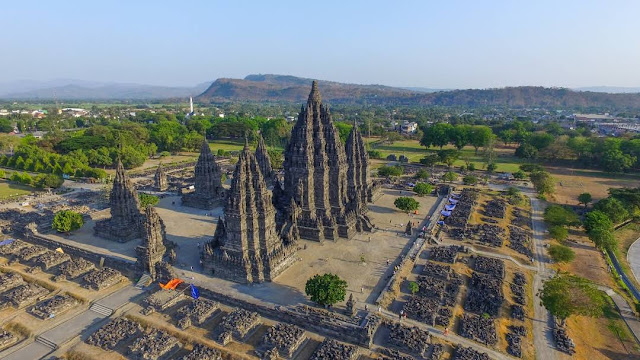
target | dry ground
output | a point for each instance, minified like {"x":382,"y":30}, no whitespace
{"x":573,"y":182}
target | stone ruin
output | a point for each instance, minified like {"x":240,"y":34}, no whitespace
{"x":151,"y":251}
{"x":517,"y":288}
{"x":9,"y":281}
{"x":202,"y":352}
{"x":428,"y":311}
{"x":12,"y":248}
{"x":446,"y":254}
{"x":562,"y":339}
{"x":496,"y":208}
{"x":492,"y":235}
{"x":50,"y":259}
{"x":27,"y":253}
{"x":437,"y":271}
{"x":23,"y":295}
{"x":460,"y":215}
{"x":125,"y":223}
{"x":517,"y":312}
{"x":391,"y":354}
{"x":113,"y":333}
{"x":411,"y":339}
{"x":467,"y":353}
{"x":315,"y":176}
{"x":101,"y":279}
{"x":160,"y":182}
{"x":331,"y":350}
{"x":485,"y":294}
{"x":239,"y":323}
{"x":514,"y":340}
{"x":153,"y":345}
{"x":247,"y":248}
{"x":478,"y":328}
{"x":53,"y":306}
{"x":208,"y":192}
{"x":162,"y":300}
{"x":520,"y":240}
{"x":7,"y":339}
{"x":75,"y":267}
{"x":285,"y":338}
{"x":490,"y":266}
{"x":350,"y":307}
{"x":196,"y":312}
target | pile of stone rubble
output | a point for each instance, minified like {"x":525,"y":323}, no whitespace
{"x":412,"y":339}
{"x":520,"y":240}
{"x":491,"y":266}
{"x":484,"y":295}
{"x":53,"y":306}
{"x":74,"y":268}
{"x":496,"y":208}
{"x":239,"y":322}
{"x":331,"y":350}
{"x":113,"y":333}
{"x":100,"y":279}
{"x":284,"y":337}
{"x":478,"y":328}
{"x":467,"y":353}
{"x":153,"y":345}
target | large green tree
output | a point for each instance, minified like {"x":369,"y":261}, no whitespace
{"x":406,"y":204}
{"x":436,"y":135}
{"x":326,"y":289}
{"x":423,"y":189}
{"x":66,"y":221}
{"x":565,"y":295}
{"x":543,"y":182}
{"x":613,"y":208}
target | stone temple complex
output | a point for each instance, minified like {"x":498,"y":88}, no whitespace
{"x":247,"y":246}
{"x":152,"y":249}
{"x":316,"y":170}
{"x":160,"y":182}
{"x":264,"y":161}
{"x":208,"y":182}
{"x":126,"y":219}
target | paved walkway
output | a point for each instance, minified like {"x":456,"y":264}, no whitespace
{"x":62,"y":333}
{"x":633,"y":257}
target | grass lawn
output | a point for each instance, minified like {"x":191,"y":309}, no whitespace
{"x":226,"y":145}
{"x":412,"y":149}
{"x":8,"y":190}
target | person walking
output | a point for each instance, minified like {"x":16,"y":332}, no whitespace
{"x":400,"y":314}
{"x":362,"y":290}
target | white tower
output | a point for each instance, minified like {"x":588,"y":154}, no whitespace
{"x":190,"y":105}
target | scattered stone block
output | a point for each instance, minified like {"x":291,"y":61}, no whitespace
{"x":50,"y":259}
{"x":198,"y":311}
{"x":9,"y":281}
{"x":333,"y":350}
{"x":467,"y":353}
{"x":7,"y":339}
{"x":202,"y":352}
{"x":491,"y":266}
{"x":111,"y":334}
{"x":101,"y":279}
{"x":75,"y":267}
{"x":407,"y":338}
{"x":24,"y":295}
{"x":153,"y":345}
{"x":478,"y":328}
{"x":285,"y":338}
{"x":54,"y":306}
{"x":27,"y":253}
{"x":239,"y":322}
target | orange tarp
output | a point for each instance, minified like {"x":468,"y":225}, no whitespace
{"x":172,"y":284}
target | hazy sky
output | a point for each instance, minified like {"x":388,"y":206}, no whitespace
{"x":440,"y":44}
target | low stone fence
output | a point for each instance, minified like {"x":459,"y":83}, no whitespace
{"x":168,"y":167}
{"x":358,"y":334}
{"x":124,"y":266}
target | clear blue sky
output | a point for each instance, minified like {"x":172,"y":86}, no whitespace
{"x":441,"y":44}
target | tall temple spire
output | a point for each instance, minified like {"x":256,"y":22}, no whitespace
{"x":152,"y":249}
{"x":160,"y":182}
{"x":359,"y":184}
{"x":208,"y":181}
{"x":125,"y":221}
{"x":262,"y":156}
{"x":248,"y":248}
{"x":316,"y":174}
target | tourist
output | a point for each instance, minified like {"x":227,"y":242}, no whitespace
{"x":387,"y":262}
{"x":366,"y":307}
{"x":362,"y":290}
{"x":379,"y":308}
{"x":446,"y":331}
{"x":400,"y":314}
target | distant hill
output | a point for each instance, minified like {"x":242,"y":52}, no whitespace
{"x":610,"y":89}
{"x":284,"y":88}
{"x":86,"y":90}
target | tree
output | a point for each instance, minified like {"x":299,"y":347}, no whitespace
{"x":543,"y":182}
{"x":519,"y":175}
{"x":561,"y":253}
{"x":584,"y":198}
{"x":436,"y":135}
{"x":491,"y":167}
{"x":147,"y":200}
{"x":540,"y":140}
{"x":390,"y":170}
{"x":526,"y":151}
{"x":603,"y":238}
{"x":48,"y":181}
{"x":326,"y":289}
{"x":422,"y":174}
{"x":558,"y":232}
{"x":613,"y":208}
{"x":448,"y":156}
{"x":557,"y":215}
{"x":414,"y":288}
{"x":430,"y":160}
{"x":470,"y":180}
{"x":66,"y":221}
{"x":406,"y":204}
{"x":450,"y":176}
{"x":566,"y":295}
{"x":480,"y":136}
{"x":597,"y":219}
{"x":423,"y":189}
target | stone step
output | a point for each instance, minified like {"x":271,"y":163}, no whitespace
{"x":46,"y":342}
{"x":101,"y":309}
{"x":144,"y":281}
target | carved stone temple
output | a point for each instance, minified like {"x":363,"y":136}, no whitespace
{"x":125,"y":223}
{"x":359,"y":186}
{"x":315,"y":177}
{"x":264,"y":161}
{"x":160,"y":182}
{"x":152,"y":249}
{"x":208,"y":182}
{"x":247,"y":247}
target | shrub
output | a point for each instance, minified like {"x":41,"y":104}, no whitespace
{"x":558,"y":232}
{"x":390,"y":171}
{"x":561,"y":253}
{"x":66,"y":221}
{"x":406,"y":204}
{"x":423,"y":189}
{"x":470,"y":180}
{"x":147,"y":200}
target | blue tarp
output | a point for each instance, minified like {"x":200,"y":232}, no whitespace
{"x":453,"y":201}
{"x":449,"y":207}
{"x":455,"y":196}
{"x":445,"y":213}
{"x":440,"y":222}
{"x":6,"y":242}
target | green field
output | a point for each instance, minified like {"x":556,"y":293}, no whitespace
{"x":226,"y":145}
{"x":8,"y":190}
{"x":412,"y":149}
